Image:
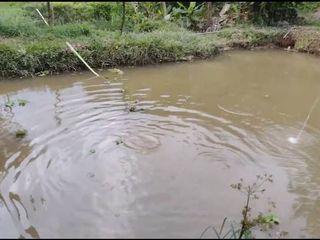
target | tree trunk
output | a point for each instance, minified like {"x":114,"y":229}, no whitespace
{"x":50,"y":14}
{"x":123,"y":16}
{"x":164,"y":9}
{"x":209,"y":12}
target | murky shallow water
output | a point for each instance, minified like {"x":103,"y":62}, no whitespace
{"x":90,"y":168}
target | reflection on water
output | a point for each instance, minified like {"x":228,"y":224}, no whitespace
{"x":90,"y":168}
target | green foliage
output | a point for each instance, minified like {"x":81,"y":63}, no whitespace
{"x":102,"y":11}
{"x":68,"y":12}
{"x":8,"y":60}
{"x":49,"y":53}
{"x":247,"y":224}
{"x":270,"y":13}
{"x":22,"y":28}
{"x":189,"y":16}
{"x":148,"y":26}
{"x":307,"y":7}
{"x":150,"y":10}
{"x":35,"y":49}
{"x":100,"y":15}
{"x":154,"y":25}
{"x":251,"y":36}
{"x":71,"y":30}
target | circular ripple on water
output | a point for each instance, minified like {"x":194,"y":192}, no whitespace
{"x":142,"y":143}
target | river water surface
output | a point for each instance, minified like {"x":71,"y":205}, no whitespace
{"x":88,"y":167}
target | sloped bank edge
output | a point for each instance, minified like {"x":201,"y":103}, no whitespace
{"x":52,"y":59}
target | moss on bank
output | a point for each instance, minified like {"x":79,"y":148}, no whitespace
{"x":50,"y":54}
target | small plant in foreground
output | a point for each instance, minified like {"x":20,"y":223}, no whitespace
{"x":252,"y":192}
{"x":247,"y":222}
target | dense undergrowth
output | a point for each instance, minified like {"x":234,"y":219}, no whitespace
{"x":28,"y":47}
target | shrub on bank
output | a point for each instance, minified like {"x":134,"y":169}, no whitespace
{"x":109,"y":49}
{"x":128,"y":49}
{"x":106,"y":15}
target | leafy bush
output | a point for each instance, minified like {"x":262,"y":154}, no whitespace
{"x":49,"y":52}
{"x":66,"y":12}
{"x":189,"y":16}
{"x":9,"y":28}
{"x":71,"y":30}
{"x":101,"y":11}
{"x":306,"y":7}
{"x":8,"y":56}
{"x":270,"y":13}
{"x":148,"y":26}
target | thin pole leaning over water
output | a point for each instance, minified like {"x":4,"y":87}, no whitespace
{"x":78,"y":55}
{"x":71,"y":48}
{"x":296,"y":139}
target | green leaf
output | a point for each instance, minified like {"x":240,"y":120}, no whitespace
{"x":181,"y":5}
{"x":192,"y":5}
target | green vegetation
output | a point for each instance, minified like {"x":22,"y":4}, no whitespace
{"x":152,"y":33}
{"x":248,"y":223}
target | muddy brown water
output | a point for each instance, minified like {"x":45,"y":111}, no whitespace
{"x":90,"y":168}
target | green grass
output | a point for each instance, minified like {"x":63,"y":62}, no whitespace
{"x":33,"y":47}
{"x":307,"y":7}
{"x":29,"y":47}
{"x":110,"y":49}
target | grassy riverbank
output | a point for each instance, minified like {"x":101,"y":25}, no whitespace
{"x":28,"y":47}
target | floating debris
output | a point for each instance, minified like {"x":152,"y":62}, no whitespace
{"x":92,"y":151}
{"x":90,"y":175}
{"x":116,"y":70}
{"x":22,"y":102}
{"x":133,"y":108}
{"x":119,"y":141}
{"x":42,"y":73}
{"x":21,"y":133}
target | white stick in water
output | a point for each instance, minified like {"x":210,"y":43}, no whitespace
{"x":295,"y":140}
{"x":72,"y":49}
